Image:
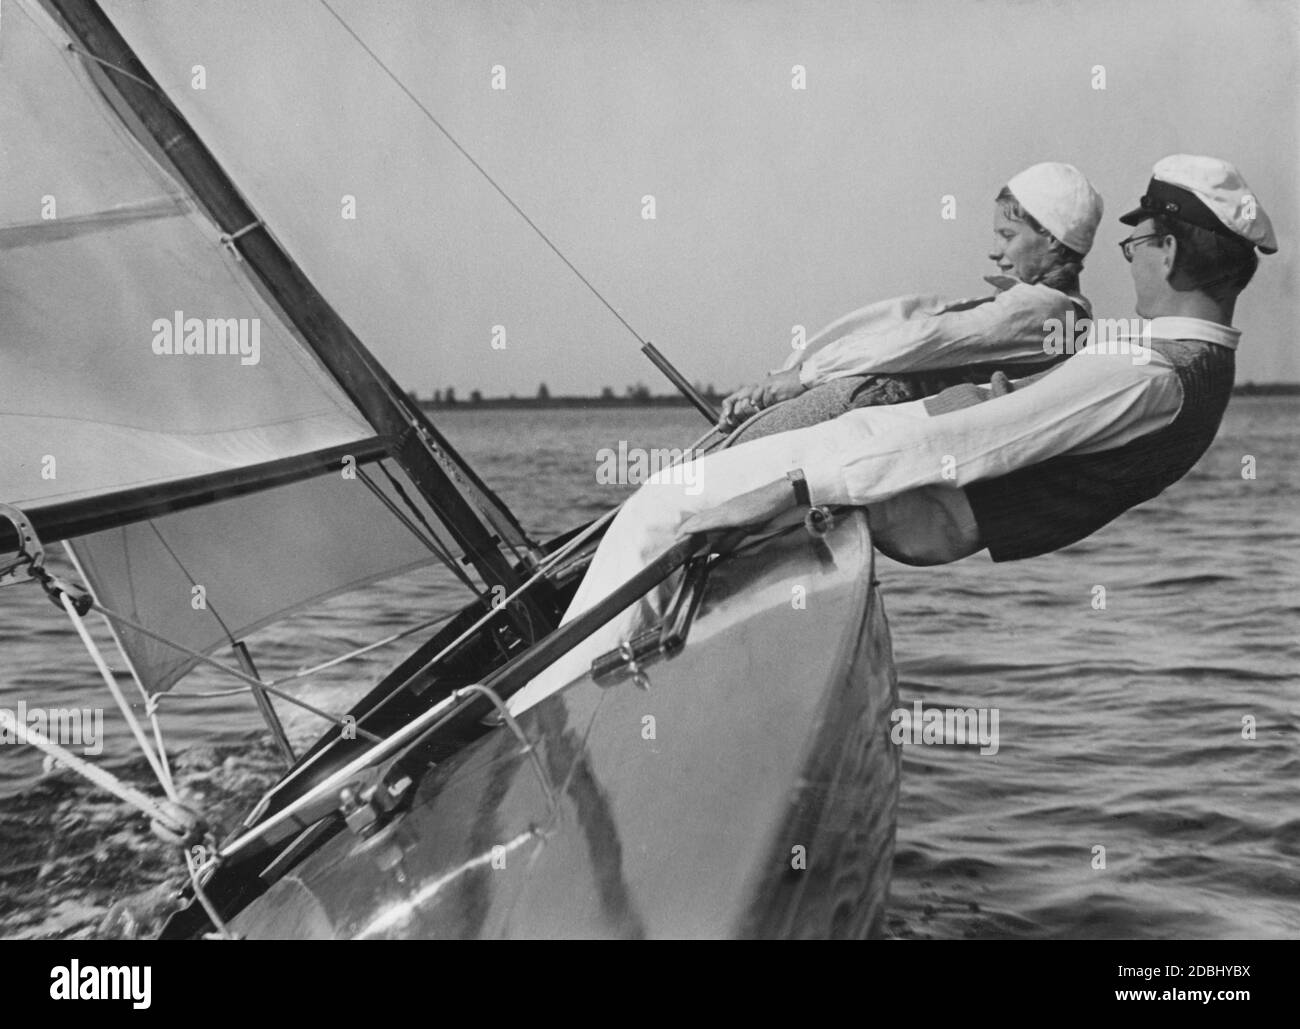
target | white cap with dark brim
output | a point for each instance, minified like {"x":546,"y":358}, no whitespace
{"x":1208,"y":193}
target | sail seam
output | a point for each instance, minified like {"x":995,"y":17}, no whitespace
{"x":25,"y":234}
{"x":193,"y":582}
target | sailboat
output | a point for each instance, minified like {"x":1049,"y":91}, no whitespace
{"x":214,"y":448}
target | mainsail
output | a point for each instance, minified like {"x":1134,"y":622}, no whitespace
{"x":176,"y":399}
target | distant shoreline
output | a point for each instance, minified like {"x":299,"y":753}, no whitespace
{"x":672,"y":400}
{"x":1244,"y":389}
{"x":1266,"y":389}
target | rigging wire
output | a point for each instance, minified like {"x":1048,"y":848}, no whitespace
{"x":87,"y":55}
{"x":164,"y":779}
{"x":481,"y":170}
{"x":252,"y":680}
{"x":466,"y":488}
{"x":429,"y":543}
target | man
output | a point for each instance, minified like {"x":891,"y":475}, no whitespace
{"x":1020,"y":474}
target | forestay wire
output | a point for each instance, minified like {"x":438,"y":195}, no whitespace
{"x":481,"y":170}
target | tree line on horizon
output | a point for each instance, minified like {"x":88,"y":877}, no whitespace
{"x":639,"y":393}
{"x":636,"y":393}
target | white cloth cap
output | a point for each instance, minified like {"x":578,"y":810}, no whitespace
{"x":1061,"y":200}
{"x":1207,"y":192}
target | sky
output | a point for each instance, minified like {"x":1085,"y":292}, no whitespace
{"x":774,"y":206}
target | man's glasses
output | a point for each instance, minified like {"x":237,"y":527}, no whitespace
{"x":1126,"y":245}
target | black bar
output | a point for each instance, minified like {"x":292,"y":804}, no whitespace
{"x":683,"y":387}
{"x":265,"y":706}
{"x":81,"y":517}
{"x":1027,"y":978}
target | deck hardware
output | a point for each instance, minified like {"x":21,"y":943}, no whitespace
{"x":227,"y":239}
{"x":665,"y":639}
{"x":30,"y":552}
{"x":685,"y":606}
{"x":818,"y":521}
{"x":639,"y":679}
{"x":616,"y":665}
{"x":366,"y":808}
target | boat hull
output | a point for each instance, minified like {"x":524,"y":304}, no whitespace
{"x":749,"y":791}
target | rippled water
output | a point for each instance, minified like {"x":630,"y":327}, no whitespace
{"x":1119,"y":728}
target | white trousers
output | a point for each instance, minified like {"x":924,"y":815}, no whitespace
{"x":926,"y":526}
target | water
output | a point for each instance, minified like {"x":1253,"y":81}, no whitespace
{"x":1119,"y":728}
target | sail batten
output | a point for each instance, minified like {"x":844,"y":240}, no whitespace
{"x":80,"y":517}
{"x":15,"y":237}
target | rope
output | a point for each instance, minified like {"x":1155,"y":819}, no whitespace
{"x":150,"y":706}
{"x":252,"y":681}
{"x":304,"y":672}
{"x":174,"y":823}
{"x":230,"y":237}
{"x":100,"y":777}
{"x":236,"y":691}
{"x":227,"y":239}
{"x":111,"y":682}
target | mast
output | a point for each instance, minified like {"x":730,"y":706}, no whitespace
{"x":381,"y":401}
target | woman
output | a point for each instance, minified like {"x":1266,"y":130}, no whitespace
{"x":911,"y":347}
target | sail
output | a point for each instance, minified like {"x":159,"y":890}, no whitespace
{"x":160,"y":406}
{"x":149,"y":571}
{"x":98,"y":247}
{"x":329,"y":152}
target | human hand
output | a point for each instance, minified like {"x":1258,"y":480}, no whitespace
{"x":739,"y":405}
{"x":749,"y":400}
{"x":782,"y":385}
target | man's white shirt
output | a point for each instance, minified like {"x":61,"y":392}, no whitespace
{"x":1090,"y":402}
